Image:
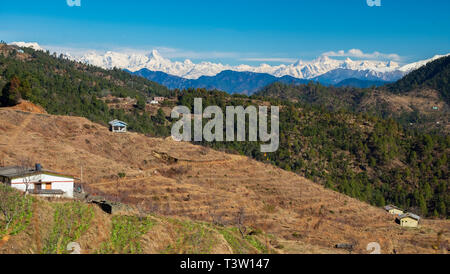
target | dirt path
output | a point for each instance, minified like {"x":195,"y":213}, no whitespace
{"x":13,"y":138}
{"x":123,"y":181}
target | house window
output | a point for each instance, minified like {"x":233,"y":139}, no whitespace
{"x":48,"y":186}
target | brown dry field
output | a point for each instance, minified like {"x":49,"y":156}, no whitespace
{"x":187,"y":181}
{"x":422,"y":100}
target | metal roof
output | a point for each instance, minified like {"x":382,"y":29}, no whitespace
{"x":389,"y":207}
{"x":17,"y":171}
{"x":47,"y":191}
{"x":117,"y":122}
{"x":410,"y":215}
{"x":13,"y":171}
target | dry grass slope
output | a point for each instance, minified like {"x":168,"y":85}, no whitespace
{"x":182,"y":180}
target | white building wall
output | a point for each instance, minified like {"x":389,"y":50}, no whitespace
{"x":58,"y":183}
{"x":20,"y":183}
{"x":396,"y":211}
{"x":66,"y":187}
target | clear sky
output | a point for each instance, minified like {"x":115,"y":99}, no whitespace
{"x":243,"y":31}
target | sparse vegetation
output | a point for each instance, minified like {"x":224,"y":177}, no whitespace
{"x":126,"y":235}
{"x":16,"y":211}
{"x":193,"y":238}
{"x":71,"y":220}
{"x":249,"y":244}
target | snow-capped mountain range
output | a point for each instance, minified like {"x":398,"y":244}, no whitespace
{"x":375,"y":70}
{"x":189,"y":70}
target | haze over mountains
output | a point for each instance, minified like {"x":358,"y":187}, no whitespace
{"x":175,"y":74}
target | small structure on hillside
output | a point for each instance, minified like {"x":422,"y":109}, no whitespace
{"x":118,"y":126}
{"x":408,"y":220}
{"x":108,"y":206}
{"x":394,"y":210}
{"x":38,"y":181}
{"x":348,"y":247}
{"x":156,"y":100}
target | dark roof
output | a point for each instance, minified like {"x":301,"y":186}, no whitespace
{"x":13,"y":171}
{"x":16,"y":171}
{"x":47,"y":191}
{"x":410,"y":215}
{"x":389,"y":207}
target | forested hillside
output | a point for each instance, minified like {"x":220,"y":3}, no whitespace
{"x":420,"y":100}
{"x":68,"y":88}
{"x":435,"y":75}
{"x":331,"y":98}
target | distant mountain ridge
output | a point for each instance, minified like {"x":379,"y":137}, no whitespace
{"x":229,"y":81}
{"x":243,"y":82}
{"x":338,"y":75}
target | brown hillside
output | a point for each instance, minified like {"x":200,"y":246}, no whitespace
{"x":182,"y":180}
{"x":423,"y":100}
{"x":29,"y":107}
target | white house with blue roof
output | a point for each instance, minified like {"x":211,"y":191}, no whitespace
{"x":118,"y":126}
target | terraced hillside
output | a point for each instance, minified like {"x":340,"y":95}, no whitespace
{"x":184,"y":182}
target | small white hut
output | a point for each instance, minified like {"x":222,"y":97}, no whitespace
{"x":394,"y":210}
{"x":409,"y":220}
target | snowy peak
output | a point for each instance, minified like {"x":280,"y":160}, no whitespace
{"x":34,"y":46}
{"x":155,"y":55}
{"x":416,"y":65}
{"x":392,"y":64}
{"x":154,"y":61}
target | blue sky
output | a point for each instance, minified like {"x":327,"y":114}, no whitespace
{"x":232,"y":32}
